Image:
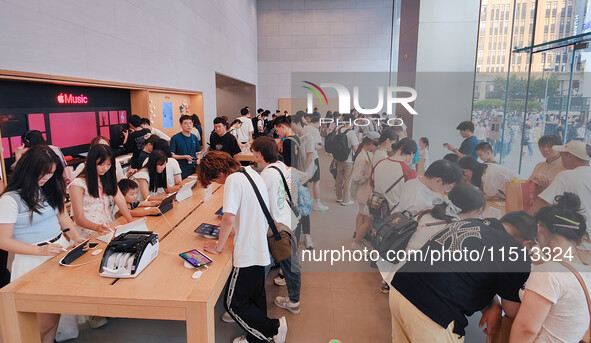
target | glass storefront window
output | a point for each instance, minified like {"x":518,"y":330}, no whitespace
{"x":543,"y":90}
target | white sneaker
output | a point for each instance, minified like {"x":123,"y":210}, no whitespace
{"x":308,"y":242}
{"x":287,"y":304}
{"x":357,"y":246}
{"x":227,"y":319}
{"x":350,"y":202}
{"x":282,"y":332}
{"x":279,"y":280}
{"x":241,"y":339}
{"x":319,"y":208}
{"x":339,"y":200}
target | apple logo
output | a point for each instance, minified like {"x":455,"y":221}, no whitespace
{"x":60,"y":98}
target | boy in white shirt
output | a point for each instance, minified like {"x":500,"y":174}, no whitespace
{"x":310,"y":145}
{"x":245,"y":298}
{"x":245,"y":130}
{"x":266,"y":154}
{"x":417,"y":194}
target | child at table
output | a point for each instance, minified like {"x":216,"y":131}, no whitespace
{"x":137,"y":208}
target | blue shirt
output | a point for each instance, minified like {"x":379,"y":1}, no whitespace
{"x":468,"y":146}
{"x":42,"y":227}
{"x":183,"y":145}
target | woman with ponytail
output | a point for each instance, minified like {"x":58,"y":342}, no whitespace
{"x":554,"y":307}
{"x":387,"y":138}
{"x":387,"y":171}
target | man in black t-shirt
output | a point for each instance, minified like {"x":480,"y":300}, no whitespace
{"x":134,"y":142}
{"x":146,"y":151}
{"x":221,"y":139}
{"x":444,"y":293}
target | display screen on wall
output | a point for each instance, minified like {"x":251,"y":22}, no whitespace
{"x":68,"y":116}
{"x":11,"y":122}
{"x":167,"y":121}
{"x":65,"y":128}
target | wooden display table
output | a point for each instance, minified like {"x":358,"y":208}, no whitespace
{"x":495,"y":208}
{"x":245,"y":156}
{"x":164,"y":290}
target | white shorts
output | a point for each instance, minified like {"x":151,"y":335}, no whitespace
{"x":23,"y":264}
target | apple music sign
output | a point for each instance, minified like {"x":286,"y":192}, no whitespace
{"x":63,"y":98}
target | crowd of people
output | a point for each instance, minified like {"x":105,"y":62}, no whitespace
{"x":379,"y":168}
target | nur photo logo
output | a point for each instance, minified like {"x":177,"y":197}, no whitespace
{"x":345,"y":98}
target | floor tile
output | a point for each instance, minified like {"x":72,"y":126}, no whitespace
{"x":361,"y":316}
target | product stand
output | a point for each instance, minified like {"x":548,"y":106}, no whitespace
{"x":164,"y":290}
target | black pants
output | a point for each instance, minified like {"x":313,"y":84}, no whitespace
{"x":4,"y":273}
{"x":303,"y":225}
{"x":246,"y":302}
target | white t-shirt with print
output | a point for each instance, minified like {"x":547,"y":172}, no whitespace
{"x":495,"y":177}
{"x":279,"y":208}
{"x":415,"y":197}
{"x":576,"y":181}
{"x":250,"y":242}
{"x":568,"y":319}
{"x":243,"y":131}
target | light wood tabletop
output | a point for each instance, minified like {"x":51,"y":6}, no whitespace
{"x":244,"y":156}
{"x":163,"y":290}
{"x":495,"y":208}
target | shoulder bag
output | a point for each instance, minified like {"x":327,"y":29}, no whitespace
{"x":377,"y":202}
{"x":279,"y":241}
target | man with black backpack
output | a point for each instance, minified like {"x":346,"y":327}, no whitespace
{"x":342,"y":143}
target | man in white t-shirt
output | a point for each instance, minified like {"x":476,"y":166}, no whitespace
{"x":417,"y":194}
{"x":147,"y":125}
{"x":266,"y":154}
{"x":245,"y":298}
{"x":345,"y":168}
{"x":309,"y":145}
{"x":246,"y":130}
{"x":575,"y":179}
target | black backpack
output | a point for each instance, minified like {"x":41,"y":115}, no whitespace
{"x":337,"y":144}
{"x":395,"y":233}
